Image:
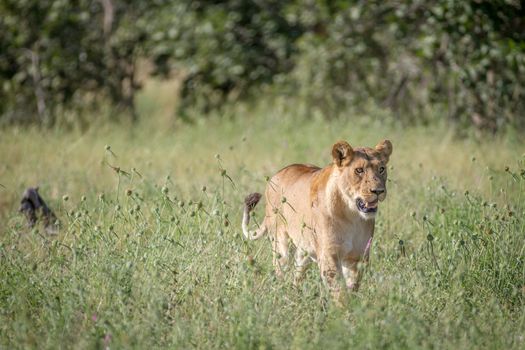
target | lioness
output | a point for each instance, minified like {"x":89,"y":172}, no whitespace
{"x":328,"y":214}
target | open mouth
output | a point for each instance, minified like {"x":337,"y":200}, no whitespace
{"x":366,"y":207}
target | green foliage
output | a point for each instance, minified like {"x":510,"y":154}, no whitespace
{"x":227,"y":48}
{"x":482,"y":45}
{"x":57,"y":55}
{"x":465,"y":59}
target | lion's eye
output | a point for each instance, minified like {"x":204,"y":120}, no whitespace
{"x":359,"y":171}
{"x":381,"y":170}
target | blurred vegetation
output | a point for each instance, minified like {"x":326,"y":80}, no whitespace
{"x":464,"y":59}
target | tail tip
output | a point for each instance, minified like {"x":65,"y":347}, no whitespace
{"x":251,"y":200}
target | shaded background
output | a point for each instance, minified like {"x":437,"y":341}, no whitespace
{"x":463,"y":61}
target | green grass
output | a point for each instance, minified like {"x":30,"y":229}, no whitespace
{"x":166,"y":266}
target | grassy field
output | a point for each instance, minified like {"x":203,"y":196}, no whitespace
{"x":153,"y":255}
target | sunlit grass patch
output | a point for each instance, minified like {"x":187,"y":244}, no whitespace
{"x":150,"y":253}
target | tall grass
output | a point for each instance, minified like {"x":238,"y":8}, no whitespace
{"x":149,"y":251}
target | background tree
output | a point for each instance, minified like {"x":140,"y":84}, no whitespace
{"x":57,"y":55}
{"x":463,"y":61}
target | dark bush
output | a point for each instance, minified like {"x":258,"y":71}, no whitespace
{"x":461,"y":60}
{"x":57,"y":55}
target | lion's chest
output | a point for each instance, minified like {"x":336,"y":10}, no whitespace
{"x":354,"y":238}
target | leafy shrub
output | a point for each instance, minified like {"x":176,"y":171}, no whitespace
{"x":465,"y":59}
{"x":63,"y":54}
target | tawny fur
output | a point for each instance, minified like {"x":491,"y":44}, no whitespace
{"x":316,"y":209}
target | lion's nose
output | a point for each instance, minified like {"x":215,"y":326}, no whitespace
{"x":377,"y":191}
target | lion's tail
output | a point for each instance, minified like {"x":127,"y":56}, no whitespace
{"x":249,"y":204}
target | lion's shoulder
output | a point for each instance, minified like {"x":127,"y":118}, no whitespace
{"x":294,"y":174}
{"x":299,"y":169}
{"x":319,"y":182}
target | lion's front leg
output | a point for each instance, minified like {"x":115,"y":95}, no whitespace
{"x":351,"y":274}
{"x":331,"y":272}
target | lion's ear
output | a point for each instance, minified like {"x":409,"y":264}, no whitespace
{"x":342,"y":153}
{"x":385,"y":148}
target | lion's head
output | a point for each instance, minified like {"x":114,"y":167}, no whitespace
{"x":362,"y":175}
